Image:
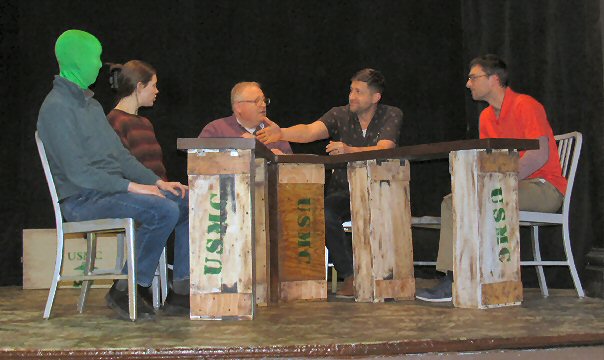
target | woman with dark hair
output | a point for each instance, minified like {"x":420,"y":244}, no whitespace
{"x":136,"y":86}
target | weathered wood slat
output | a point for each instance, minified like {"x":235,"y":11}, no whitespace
{"x":222,"y":306}
{"x":300,"y":231}
{"x":502,"y":293}
{"x":302,"y":236}
{"x":486,"y":238}
{"x":215,"y":163}
{"x":301,"y":174}
{"x":381,"y":218}
{"x":307,"y":290}
{"x":361,"y":223}
{"x":221,"y":238}
{"x":261,"y":226}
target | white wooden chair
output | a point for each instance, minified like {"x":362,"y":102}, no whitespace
{"x":569,"y":149}
{"x":125,"y":239}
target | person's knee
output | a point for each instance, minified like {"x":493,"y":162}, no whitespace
{"x":168,"y":212}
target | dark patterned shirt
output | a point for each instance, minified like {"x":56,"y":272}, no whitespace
{"x":343,"y":125}
{"x":137,"y":135}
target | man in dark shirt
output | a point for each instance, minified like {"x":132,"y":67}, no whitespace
{"x":362,"y":125}
{"x":249,"y":115}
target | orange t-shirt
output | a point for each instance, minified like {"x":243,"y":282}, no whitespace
{"x":523,"y":117}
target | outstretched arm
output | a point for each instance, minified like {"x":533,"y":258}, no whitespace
{"x":303,"y":133}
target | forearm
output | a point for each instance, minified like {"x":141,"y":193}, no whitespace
{"x":354,"y":149}
{"x":533,"y":160}
{"x":381,"y":145}
{"x":298,"y":133}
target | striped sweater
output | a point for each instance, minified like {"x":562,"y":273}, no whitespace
{"x":137,"y":134}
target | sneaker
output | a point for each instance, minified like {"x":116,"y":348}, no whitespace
{"x":442,"y":292}
{"x":177,"y":304}
{"x":347,"y":288}
{"x":118,"y":301}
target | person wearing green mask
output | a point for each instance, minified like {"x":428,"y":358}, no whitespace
{"x":96,"y":177}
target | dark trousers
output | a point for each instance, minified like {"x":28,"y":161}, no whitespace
{"x":337,"y":211}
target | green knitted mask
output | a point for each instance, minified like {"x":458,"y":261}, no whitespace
{"x":79,"y":57}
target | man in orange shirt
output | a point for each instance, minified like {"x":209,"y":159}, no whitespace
{"x":541,"y":186}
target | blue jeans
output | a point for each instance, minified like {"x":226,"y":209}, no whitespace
{"x":155,"y":218}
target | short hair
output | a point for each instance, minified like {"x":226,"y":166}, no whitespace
{"x":238,"y":89}
{"x":129,"y":75}
{"x":492,"y":65}
{"x":374,"y":79}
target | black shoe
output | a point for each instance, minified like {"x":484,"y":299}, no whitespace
{"x":145,"y":294}
{"x":118,"y":301}
{"x":442,"y":292}
{"x":177,"y":304}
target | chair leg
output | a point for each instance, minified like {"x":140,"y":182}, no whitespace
{"x":57,"y":275}
{"x":89,"y":268}
{"x":163,"y":276}
{"x":571,"y":260}
{"x":334,"y":280}
{"x":131,"y":271}
{"x":537,"y":257}
{"x":160,"y":282}
{"x":119,"y":259}
{"x":155,"y":288}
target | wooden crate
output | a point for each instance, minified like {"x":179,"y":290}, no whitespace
{"x":381,"y":230}
{"x":39,"y":254}
{"x":221,"y":236}
{"x":486,"y":229}
{"x":301,"y":232}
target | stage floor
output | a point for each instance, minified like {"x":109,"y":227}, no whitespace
{"x":334,"y":328}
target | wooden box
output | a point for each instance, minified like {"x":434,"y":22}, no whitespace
{"x":300,"y":233}
{"x":381,"y":230}
{"x":221,"y":212}
{"x":39,"y":254}
{"x":485,"y":233}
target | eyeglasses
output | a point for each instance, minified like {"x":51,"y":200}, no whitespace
{"x":258,"y":101}
{"x":474,"y":77}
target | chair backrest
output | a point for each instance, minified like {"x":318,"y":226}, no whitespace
{"x":569,"y":149}
{"x":51,"y":183}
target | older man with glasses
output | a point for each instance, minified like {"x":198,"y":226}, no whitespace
{"x":249,"y":116}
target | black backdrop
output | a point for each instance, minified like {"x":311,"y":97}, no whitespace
{"x":304,"y":53}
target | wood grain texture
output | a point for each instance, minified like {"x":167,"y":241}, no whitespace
{"x":361,"y":223}
{"x":261,"y":226}
{"x":400,"y":289}
{"x":302,"y":173}
{"x":308,"y":290}
{"x":301,"y":232}
{"x":386,"y":252}
{"x":220,"y":306}
{"x":502,"y":294}
{"x":466,"y":208}
{"x":221,"y":243}
{"x":486,"y":232}
{"x":223,"y":162}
